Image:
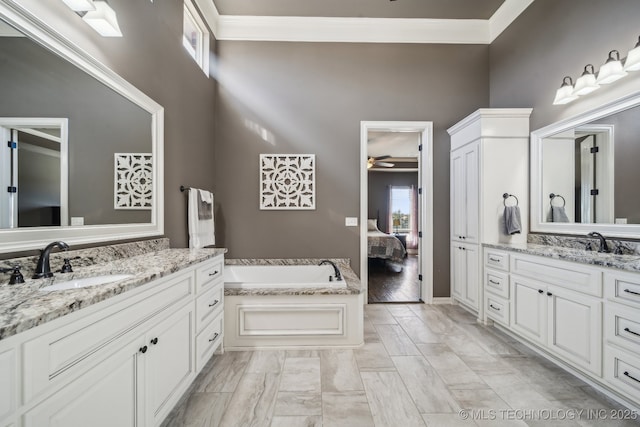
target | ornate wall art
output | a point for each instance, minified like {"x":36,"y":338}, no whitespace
{"x":287,"y":181}
{"x":132,"y":181}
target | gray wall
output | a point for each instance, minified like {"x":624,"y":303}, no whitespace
{"x":37,"y":83}
{"x":554,"y":38}
{"x":378,"y":194}
{"x":310,"y":98}
{"x":151,"y":57}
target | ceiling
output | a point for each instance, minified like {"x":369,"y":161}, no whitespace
{"x":425,"y":9}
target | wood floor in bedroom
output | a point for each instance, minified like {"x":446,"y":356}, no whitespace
{"x":425,"y":366}
{"x":385,"y":285}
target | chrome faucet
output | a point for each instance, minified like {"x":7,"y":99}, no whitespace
{"x":603,"y":243}
{"x":336,"y":271}
{"x":43,"y":269}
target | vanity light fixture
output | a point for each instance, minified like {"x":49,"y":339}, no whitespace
{"x":103,"y":20}
{"x":612,"y":70}
{"x":565,"y":94}
{"x":633,"y":58}
{"x":586,"y":83}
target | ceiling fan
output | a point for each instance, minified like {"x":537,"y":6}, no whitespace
{"x":376,"y":161}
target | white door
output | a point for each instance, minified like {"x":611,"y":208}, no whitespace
{"x":458,"y":197}
{"x":472,"y":274}
{"x":575,"y":328}
{"x":471,"y":180}
{"x":529,"y":309}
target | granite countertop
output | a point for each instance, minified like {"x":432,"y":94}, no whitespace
{"x":354,"y":286}
{"x":620,"y":262}
{"x":24,"y":306}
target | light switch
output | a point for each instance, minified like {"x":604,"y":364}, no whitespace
{"x":351,"y":221}
{"x":77,"y":220}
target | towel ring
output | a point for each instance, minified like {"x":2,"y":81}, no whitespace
{"x":505,"y":196}
{"x":553,"y":196}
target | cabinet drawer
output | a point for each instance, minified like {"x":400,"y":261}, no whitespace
{"x":569,"y":275}
{"x":622,"y":371}
{"x":208,"y":341}
{"x":208,"y":305}
{"x":66,"y":352}
{"x":496,"y":283}
{"x":498,"y":310}
{"x":499,"y":260}
{"x":622,"y":326}
{"x":623,"y":287}
{"x":209,"y":274}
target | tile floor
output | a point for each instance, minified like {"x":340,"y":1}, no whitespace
{"x":420,"y":366}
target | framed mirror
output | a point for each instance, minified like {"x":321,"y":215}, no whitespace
{"x":84,"y":152}
{"x":584,"y":172}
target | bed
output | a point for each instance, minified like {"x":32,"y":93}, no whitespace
{"x":384,"y":246}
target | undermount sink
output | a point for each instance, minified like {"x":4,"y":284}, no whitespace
{"x":86,"y":281}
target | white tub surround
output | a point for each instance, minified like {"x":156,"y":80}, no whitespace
{"x":284,"y":314}
{"x":137,"y":343}
{"x":579,"y":308}
{"x":489,"y":157}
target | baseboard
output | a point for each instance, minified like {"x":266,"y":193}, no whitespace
{"x":442,"y":300}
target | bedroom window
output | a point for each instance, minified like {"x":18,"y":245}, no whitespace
{"x":195,"y":36}
{"x":400,"y":210}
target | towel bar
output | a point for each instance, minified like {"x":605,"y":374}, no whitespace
{"x":505,"y":196}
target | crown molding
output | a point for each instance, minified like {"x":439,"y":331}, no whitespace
{"x":360,"y":30}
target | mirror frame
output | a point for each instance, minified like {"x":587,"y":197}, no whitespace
{"x":14,"y":240}
{"x":538,"y":200}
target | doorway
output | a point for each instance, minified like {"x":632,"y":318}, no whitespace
{"x":397,"y":156}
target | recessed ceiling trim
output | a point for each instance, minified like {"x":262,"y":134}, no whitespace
{"x":360,"y":30}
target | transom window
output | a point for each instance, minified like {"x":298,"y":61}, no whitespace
{"x":195,"y":36}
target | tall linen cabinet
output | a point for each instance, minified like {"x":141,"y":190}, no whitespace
{"x":489,"y":157}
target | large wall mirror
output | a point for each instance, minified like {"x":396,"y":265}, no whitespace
{"x":84,"y":159}
{"x":585,"y":175}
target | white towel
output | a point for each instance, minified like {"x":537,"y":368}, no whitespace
{"x":201,"y":221}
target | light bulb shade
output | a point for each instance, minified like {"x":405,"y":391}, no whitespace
{"x":80,"y":5}
{"x":612,"y":70}
{"x":633,"y":58}
{"x":103,"y":20}
{"x":586,"y":83}
{"x":565,"y":95}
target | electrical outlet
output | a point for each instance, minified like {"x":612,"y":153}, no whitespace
{"x":351,"y":221}
{"x":77,"y":220}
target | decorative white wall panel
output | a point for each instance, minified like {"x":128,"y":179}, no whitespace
{"x":133,"y":181}
{"x":287,"y":181}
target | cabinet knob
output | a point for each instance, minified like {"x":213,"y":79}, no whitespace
{"x":495,"y":308}
{"x":214,"y":337}
{"x":631,"y":332}
{"x":214,"y":303}
{"x":627,"y":374}
{"x":631,"y":292}
{"x":464,"y":249}
{"x":540,"y":291}
{"x":154,"y":341}
{"x":214,"y":273}
{"x":143,"y":350}
{"x":549,"y":294}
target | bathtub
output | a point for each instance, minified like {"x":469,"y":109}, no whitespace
{"x":291,"y":304}
{"x":280,"y":276}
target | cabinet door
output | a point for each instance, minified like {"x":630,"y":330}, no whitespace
{"x":458,"y":196}
{"x":529,"y":309}
{"x":168,"y":363}
{"x":575,"y":328}
{"x":472,"y":207}
{"x":472,"y":275}
{"x":458,"y":271}
{"x":105,"y":396}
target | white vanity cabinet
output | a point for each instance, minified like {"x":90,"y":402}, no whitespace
{"x":622,"y":332}
{"x":489,"y":157}
{"x":125,"y":361}
{"x":586,"y":316}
